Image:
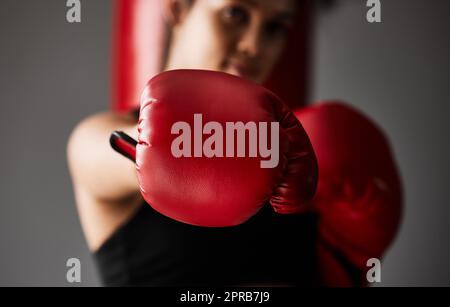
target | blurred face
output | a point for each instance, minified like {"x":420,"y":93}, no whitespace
{"x":240,"y":37}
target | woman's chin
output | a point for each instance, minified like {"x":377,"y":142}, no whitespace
{"x":241,"y":74}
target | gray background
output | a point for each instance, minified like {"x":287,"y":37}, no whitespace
{"x":52,"y":74}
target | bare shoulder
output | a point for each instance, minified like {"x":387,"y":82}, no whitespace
{"x":89,"y":154}
{"x":101,"y":122}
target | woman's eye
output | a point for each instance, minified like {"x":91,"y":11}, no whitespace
{"x":277,"y":29}
{"x":235,"y":15}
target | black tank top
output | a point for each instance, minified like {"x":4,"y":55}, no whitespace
{"x":154,"y":250}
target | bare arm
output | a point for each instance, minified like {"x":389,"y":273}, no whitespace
{"x":94,"y":166}
{"x":105,"y":184}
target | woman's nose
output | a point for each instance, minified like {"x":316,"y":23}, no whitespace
{"x":250,"y":40}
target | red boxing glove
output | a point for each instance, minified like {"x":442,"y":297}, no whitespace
{"x":195,"y":168}
{"x":359,"y":194}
